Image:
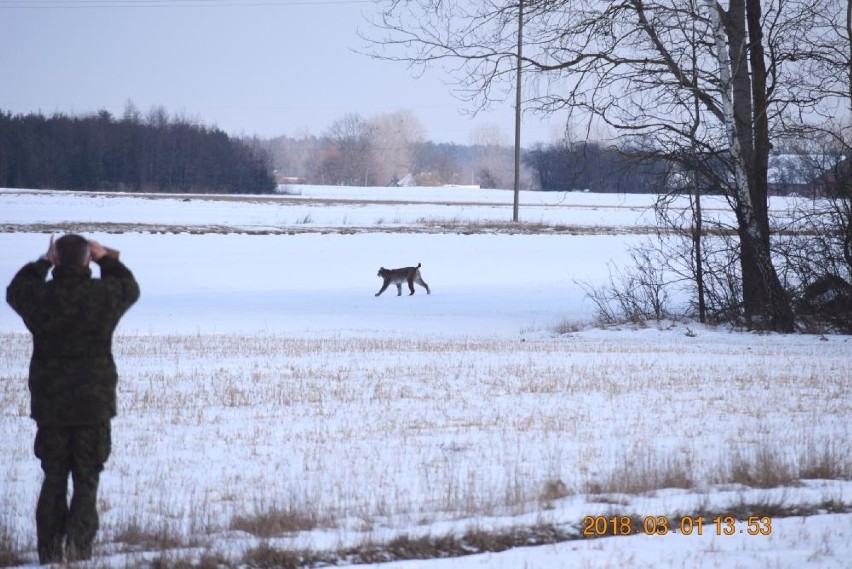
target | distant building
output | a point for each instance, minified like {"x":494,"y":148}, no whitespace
{"x":281,"y":179}
{"x":797,"y":174}
{"x":406,"y":181}
{"x":836,"y":181}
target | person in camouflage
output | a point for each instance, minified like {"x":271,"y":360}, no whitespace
{"x":72,"y":382}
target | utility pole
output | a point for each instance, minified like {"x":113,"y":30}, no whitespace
{"x":518,"y":112}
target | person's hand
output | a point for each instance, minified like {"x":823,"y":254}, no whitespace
{"x":96,"y":250}
{"x":51,"y":251}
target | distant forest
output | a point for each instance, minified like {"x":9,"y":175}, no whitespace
{"x":391,"y":148}
{"x":372,"y":157}
{"x":131,"y":154}
{"x":158,"y":153}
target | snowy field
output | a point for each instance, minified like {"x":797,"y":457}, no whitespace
{"x":270,"y":403}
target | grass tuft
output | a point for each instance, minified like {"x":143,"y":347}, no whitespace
{"x":554,"y":489}
{"x":148,"y":539}
{"x":266,"y":557}
{"x":644,"y":472}
{"x":827,"y":463}
{"x":207,"y":560}
{"x":766,"y":468}
{"x":8,"y":548}
{"x":276,"y":522}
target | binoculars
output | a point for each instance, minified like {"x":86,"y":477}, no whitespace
{"x":114,"y":253}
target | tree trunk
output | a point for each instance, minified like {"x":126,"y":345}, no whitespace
{"x":765,"y":303}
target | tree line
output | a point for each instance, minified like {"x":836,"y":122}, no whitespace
{"x":368,"y":154}
{"x":134,"y":154}
{"x":157,"y":153}
{"x":390,"y":149}
{"x":596,"y":167}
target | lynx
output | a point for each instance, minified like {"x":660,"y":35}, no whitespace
{"x":410,"y":275}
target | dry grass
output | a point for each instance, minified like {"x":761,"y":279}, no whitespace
{"x":306,"y":225}
{"x":553,"y":490}
{"x":765,"y":468}
{"x":136,"y":536}
{"x":9,"y":547}
{"x":272,"y":522}
{"x":644,"y":472}
{"x":473,"y":541}
{"x":265,"y":556}
{"x":206,"y":560}
{"x":827,"y":462}
{"x":370,"y":431}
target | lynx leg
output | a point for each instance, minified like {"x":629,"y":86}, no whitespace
{"x":422,"y":283}
{"x":384,"y":288}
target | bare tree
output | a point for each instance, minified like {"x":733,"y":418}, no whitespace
{"x":818,"y":250}
{"x":644,"y":69}
{"x":347,"y":158}
{"x":831,"y":66}
{"x":491,"y":166}
{"x":394,"y":136}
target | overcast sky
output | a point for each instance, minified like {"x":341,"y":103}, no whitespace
{"x":249,"y":67}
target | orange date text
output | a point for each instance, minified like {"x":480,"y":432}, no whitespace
{"x":601,"y":526}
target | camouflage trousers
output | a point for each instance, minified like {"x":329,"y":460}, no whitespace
{"x":81,"y":451}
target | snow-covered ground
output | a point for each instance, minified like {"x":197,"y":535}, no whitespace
{"x":261,"y":377}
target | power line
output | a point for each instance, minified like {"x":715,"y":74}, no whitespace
{"x":88,"y":4}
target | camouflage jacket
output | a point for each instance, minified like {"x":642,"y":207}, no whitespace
{"x":72,"y":318}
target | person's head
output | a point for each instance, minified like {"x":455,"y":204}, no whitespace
{"x":72,"y":249}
